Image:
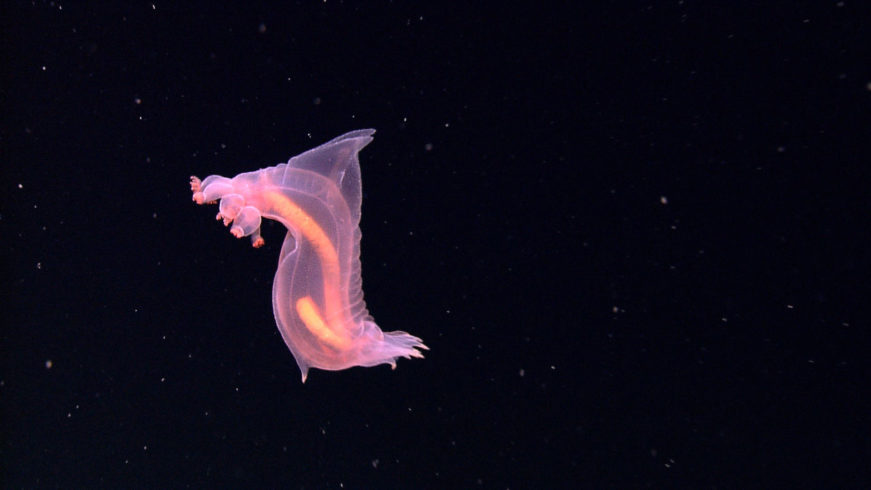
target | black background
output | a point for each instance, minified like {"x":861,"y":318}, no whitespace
{"x":634,"y":236}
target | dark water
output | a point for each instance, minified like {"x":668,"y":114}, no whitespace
{"x":635,"y":238}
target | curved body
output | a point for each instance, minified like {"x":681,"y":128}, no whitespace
{"x":317,"y":295}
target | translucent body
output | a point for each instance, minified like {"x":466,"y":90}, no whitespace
{"x":317,"y":295}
